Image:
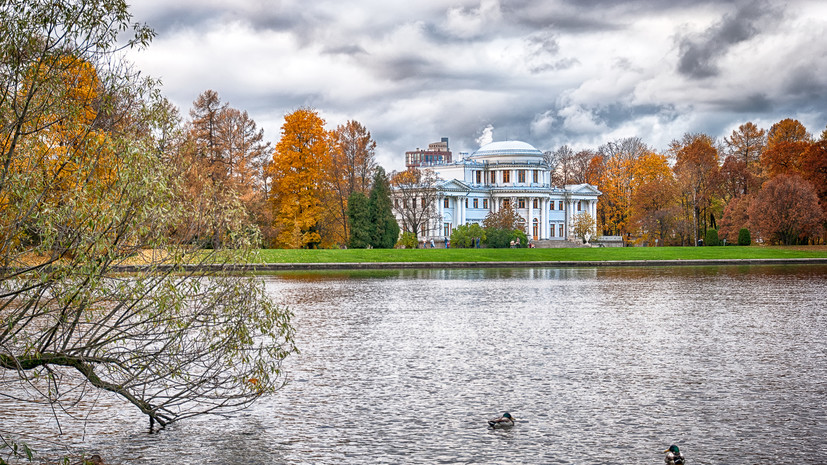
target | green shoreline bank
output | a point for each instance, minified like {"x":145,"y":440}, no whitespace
{"x":275,"y":267}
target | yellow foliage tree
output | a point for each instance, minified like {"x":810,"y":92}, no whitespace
{"x":616,"y":185}
{"x":615,"y":177}
{"x":62,"y":151}
{"x":654,"y":200}
{"x":68,"y":136}
{"x":300,"y":187}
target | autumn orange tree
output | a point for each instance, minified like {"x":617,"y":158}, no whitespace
{"x":247,"y":153}
{"x":787,"y":141}
{"x":220,"y":158}
{"x":353,"y":168}
{"x":786,"y":211}
{"x":696,"y":169}
{"x":735,"y":217}
{"x":744,"y":148}
{"x":300,"y":189}
{"x":506,"y":217}
{"x":814,"y":169}
{"x":594,"y":175}
{"x":736,"y":179}
{"x":654,"y":204}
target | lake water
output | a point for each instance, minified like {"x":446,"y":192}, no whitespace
{"x":598,"y":365}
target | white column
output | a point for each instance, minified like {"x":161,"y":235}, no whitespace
{"x":455,"y":221}
{"x":530,"y":217}
{"x":574,"y":212}
{"x":541,"y":231}
{"x":544,"y":219}
{"x":441,"y":208}
{"x":570,"y":217}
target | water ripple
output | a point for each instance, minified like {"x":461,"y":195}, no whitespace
{"x":598,"y":366}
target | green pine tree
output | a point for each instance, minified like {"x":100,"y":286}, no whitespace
{"x":385,"y":227}
{"x":358,"y":217}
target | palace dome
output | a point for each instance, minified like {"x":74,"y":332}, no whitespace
{"x":508,"y":151}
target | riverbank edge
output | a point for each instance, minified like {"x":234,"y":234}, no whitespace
{"x":276,"y":267}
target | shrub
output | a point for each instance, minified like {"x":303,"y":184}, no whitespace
{"x":520,"y":236}
{"x":744,"y":237}
{"x":407,"y":240}
{"x":501,"y":238}
{"x":465,"y":236}
{"x":496,"y":238}
{"x":711,"y":237}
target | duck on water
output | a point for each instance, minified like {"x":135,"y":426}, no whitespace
{"x":673,"y":455}
{"x":502,"y":422}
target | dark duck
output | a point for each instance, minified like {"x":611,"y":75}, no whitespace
{"x":503,"y":421}
{"x":673,"y":456}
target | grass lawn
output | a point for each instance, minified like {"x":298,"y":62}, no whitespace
{"x":563,"y":254}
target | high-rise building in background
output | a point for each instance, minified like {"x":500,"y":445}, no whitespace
{"x":437,"y":153}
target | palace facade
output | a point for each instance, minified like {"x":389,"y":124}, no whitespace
{"x":498,"y":174}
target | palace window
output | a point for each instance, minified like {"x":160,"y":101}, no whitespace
{"x":551,"y":205}
{"x":535,"y":203}
{"x":446,"y":229}
{"x":479,"y":177}
{"x":520,"y":175}
{"x":579,"y":205}
{"x":466,"y":202}
{"x":520,"y":203}
{"x":423,"y":202}
{"x":424,"y":230}
{"x":535,"y":176}
{"x":560,"y":206}
{"x":560,"y":229}
{"x":446,"y":203}
{"x":476,"y":203}
{"x":485,"y":203}
{"x":552,"y":229}
{"x":506,"y":176}
{"x":506,"y":203}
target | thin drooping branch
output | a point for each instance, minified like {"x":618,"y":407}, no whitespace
{"x":84,"y":189}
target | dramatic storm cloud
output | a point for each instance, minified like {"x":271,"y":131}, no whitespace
{"x":547,"y":72}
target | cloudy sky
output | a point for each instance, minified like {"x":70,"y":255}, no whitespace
{"x":548,"y":72}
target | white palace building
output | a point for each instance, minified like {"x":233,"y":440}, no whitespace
{"x":499,"y":174}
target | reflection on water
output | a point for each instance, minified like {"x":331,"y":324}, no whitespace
{"x":598,"y":365}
